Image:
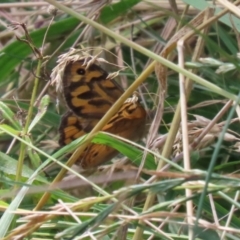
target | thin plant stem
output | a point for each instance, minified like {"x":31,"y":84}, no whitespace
{"x":28,"y":120}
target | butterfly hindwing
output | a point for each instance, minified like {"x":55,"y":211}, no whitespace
{"x":73,"y":127}
{"x":128,"y":122}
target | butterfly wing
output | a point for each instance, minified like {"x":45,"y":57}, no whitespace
{"x":89,"y":94}
{"x":73,"y":127}
{"x":129,"y":122}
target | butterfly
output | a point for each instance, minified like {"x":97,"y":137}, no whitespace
{"x":89,"y":93}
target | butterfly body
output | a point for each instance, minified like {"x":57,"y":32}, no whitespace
{"x":89,"y":94}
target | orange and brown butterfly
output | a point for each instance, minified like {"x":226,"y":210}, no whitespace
{"x":89,"y":93}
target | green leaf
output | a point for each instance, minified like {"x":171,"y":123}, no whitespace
{"x":9,"y":115}
{"x":50,"y":118}
{"x":133,"y":153}
{"x":41,"y":111}
{"x":8,"y":165}
{"x":113,"y":11}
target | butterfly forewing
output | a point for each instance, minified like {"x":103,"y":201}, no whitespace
{"x":87,"y":91}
